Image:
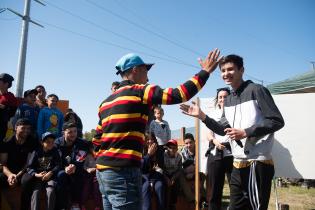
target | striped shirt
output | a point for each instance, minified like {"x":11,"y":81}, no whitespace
{"x":124,"y":114}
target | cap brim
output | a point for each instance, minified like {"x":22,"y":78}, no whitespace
{"x":34,"y":91}
{"x":47,"y":136}
{"x":149,"y":65}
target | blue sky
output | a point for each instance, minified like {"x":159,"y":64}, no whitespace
{"x":75,"y":54}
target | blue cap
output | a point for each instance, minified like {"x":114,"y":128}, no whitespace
{"x":129,"y":61}
{"x":48,"y":134}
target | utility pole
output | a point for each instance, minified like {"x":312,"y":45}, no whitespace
{"x":23,"y":45}
{"x":313,"y":65}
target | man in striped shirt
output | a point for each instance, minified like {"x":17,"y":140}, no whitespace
{"x":122,"y":120}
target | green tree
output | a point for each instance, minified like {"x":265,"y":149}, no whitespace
{"x":89,"y":135}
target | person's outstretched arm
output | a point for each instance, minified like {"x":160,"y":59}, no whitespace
{"x":195,"y":111}
{"x":154,"y":94}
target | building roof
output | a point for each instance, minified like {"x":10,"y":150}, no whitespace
{"x":303,"y":83}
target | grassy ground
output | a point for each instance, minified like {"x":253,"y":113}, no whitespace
{"x":298,"y":198}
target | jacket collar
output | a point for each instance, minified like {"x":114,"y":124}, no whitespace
{"x":241,"y":88}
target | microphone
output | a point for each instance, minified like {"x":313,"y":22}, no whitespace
{"x":239,"y":143}
{"x":68,"y":160}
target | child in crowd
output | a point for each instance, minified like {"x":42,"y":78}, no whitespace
{"x":172,"y":171}
{"x":152,"y":174}
{"x":90,"y":181}
{"x":186,"y":180}
{"x":160,"y":127}
{"x":50,"y":118}
{"x":44,"y":164}
{"x":28,"y":109}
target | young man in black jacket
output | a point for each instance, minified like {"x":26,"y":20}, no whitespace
{"x":250,"y":119}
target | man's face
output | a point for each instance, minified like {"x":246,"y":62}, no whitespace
{"x":23,"y":131}
{"x":190,"y":144}
{"x":49,"y":143}
{"x":41,"y":92}
{"x":158,"y":114}
{"x":172,"y":150}
{"x":232,"y":75}
{"x":70,"y":135}
{"x":52,"y":102}
{"x":30,"y":99}
{"x":141,"y":74}
{"x":3,"y":85}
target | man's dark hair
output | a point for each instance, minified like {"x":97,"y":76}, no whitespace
{"x":23,"y":121}
{"x":53,"y":95}
{"x":68,"y":125}
{"x":40,"y":86}
{"x":189,"y":136}
{"x":236,"y":59}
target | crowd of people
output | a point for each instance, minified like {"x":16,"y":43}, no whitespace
{"x":45,"y":152}
{"x":132,"y":156}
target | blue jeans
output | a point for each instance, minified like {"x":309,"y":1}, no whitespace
{"x":121,"y":189}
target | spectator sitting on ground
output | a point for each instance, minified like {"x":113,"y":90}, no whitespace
{"x":43,"y":166}
{"x":90,"y":185}
{"x":172,"y":170}
{"x":13,"y":157}
{"x":186,"y":178}
{"x":70,"y":179}
{"x":152,"y":174}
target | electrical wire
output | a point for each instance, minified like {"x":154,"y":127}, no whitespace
{"x":113,"y":44}
{"x":143,"y":28}
{"x":115,"y":33}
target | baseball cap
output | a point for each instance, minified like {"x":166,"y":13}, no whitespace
{"x":172,"y":142}
{"x":68,"y":125}
{"x":48,"y":134}
{"x":129,"y":61}
{"x":6,"y":77}
{"x":23,"y":121}
{"x":29,"y":92}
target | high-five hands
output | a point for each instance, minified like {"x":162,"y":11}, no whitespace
{"x":211,"y":62}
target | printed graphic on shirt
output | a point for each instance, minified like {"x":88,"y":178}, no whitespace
{"x":54,"y":123}
{"x":81,"y":155}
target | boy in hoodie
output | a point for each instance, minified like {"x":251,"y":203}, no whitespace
{"x":28,"y":109}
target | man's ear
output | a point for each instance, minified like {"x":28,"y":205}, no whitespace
{"x":242,"y":69}
{"x":134,"y":69}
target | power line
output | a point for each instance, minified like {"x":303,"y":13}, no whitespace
{"x":145,"y":20}
{"x":113,"y":44}
{"x":115,"y":33}
{"x":143,"y":28}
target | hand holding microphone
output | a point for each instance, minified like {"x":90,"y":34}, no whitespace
{"x":236,"y":135}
